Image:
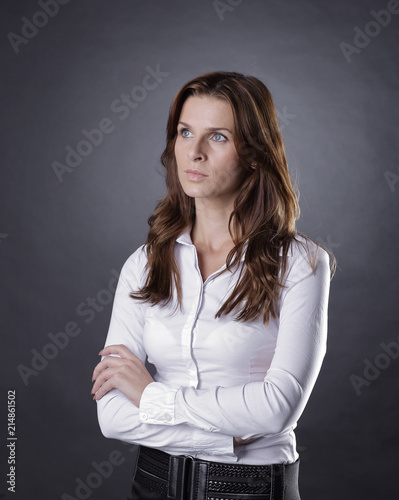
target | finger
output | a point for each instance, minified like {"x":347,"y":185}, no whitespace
{"x":106,"y":363}
{"x":99,"y":368}
{"x":117,"y":374}
{"x":110,"y":366}
{"x":101,"y":377}
{"x":104,"y":385}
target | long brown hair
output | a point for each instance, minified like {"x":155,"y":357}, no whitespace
{"x":262,"y":224}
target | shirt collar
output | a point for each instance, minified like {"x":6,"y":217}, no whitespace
{"x":185,"y":236}
{"x":185,"y":239}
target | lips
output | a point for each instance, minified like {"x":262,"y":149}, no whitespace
{"x":195,"y":175}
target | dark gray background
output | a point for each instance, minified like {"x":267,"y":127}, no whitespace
{"x":60,"y":241}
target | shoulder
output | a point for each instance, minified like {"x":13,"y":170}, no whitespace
{"x":134,"y":267}
{"x":305,"y":257}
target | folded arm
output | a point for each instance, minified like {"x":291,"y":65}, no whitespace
{"x":264,"y":407}
{"x":118,"y":415}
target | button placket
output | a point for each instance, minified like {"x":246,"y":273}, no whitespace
{"x":190,"y":326}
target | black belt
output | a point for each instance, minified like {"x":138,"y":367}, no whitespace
{"x":186,"y":478}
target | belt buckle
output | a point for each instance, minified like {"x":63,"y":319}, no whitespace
{"x":196,"y":479}
{"x":189,"y":476}
{"x":180,"y":477}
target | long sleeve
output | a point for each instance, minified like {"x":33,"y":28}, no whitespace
{"x":273,"y":405}
{"x":118,"y":417}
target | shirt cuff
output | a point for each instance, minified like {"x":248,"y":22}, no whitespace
{"x":157,"y":404}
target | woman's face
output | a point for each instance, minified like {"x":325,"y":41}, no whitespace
{"x":207,"y":160}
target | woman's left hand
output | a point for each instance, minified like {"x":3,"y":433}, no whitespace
{"x":128,"y":374}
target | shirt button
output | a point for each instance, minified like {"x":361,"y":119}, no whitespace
{"x":168,"y":417}
{"x":144,"y":416}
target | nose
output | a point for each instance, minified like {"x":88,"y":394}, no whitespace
{"x":196,"y":151}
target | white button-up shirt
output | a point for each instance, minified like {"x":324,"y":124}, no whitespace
{"x":219,"y":378}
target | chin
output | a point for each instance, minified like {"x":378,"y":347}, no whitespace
{"x":192,"y":189}
{"x":195,"y":193}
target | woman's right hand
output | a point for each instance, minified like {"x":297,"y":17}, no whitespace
{"x":239,"y":441}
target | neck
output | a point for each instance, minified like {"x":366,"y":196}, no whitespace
{"x":211,"y":226}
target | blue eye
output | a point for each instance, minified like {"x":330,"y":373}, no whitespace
{"x":219,"y":137}
{"x":184,"y":132}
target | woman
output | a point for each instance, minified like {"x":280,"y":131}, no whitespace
{"x":227,"y":301}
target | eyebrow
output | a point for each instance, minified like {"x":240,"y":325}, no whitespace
{"x":211,"y":129}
